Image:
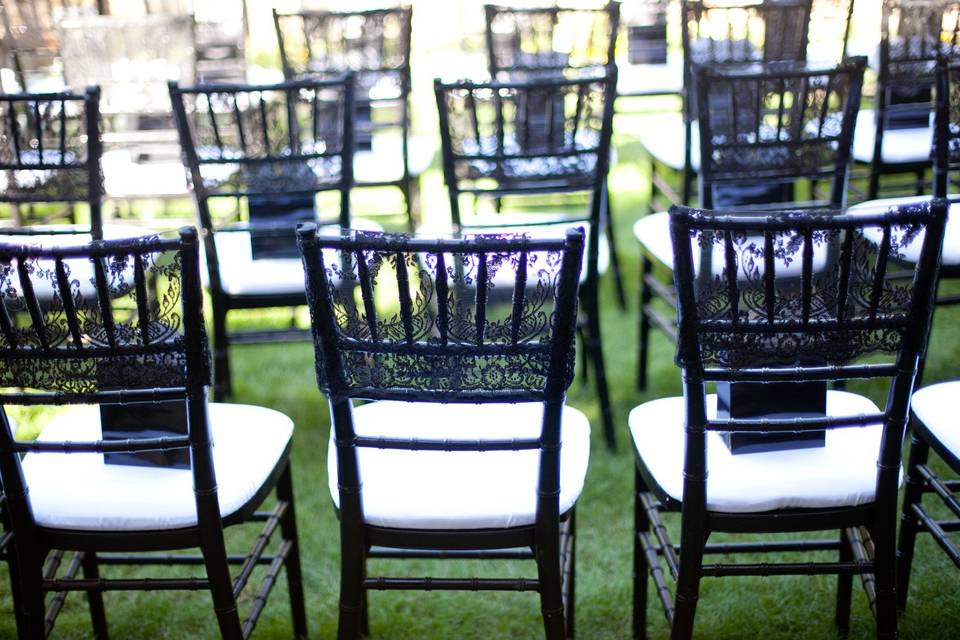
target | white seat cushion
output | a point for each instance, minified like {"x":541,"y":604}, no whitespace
{"x":951,"y":237}
{"x":663,"y":134}
{"x":125,"y":178}
{"x":464,"y":489}
{"x":484,"y":224}
{"x":936,"y":407}
{"x":384,"y":162}
{"x":653,"y":232}
{"x":240,"y":274}
{"x":900,"y":146}
{"x":666,"y":77}
{"x":79,"y":491}
{"x":843,"y":473}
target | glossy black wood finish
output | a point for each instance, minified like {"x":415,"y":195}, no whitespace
{"x":450,"y":342}
{"x":243,"y":141}
{"x":845,"y":312}
{"x":375,"y":45}
{"x":546,"y":135}
{"x":77,"y":349}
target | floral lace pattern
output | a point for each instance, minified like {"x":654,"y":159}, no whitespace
{"x":442,"y":322}
{"x":81,"y":342}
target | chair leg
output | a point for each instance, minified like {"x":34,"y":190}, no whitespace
{"x":641,"y":569}
{"x":288,"y":528}
{"x":221,"y":590}
{"x":652,"y":197}
{"x":884,"y":562}
{"x":873,"y":186}
{"x":551,"y":589}
{"x":221,"y":359}
{"x":571,"y":585}
{"x":98,"y":615}
{"x":585,"y":360}
{"x":32,"y":601}
{"x":688,"y":588}
{"x":407,"y":186}
{"x":614,"y":254}
{"x":595,"y":351}
{"x":643,"y":350}
{"x":352,"y":571}
{"x":844,"y":587}
{"x":913,"y":494}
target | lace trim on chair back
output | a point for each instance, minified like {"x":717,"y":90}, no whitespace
{"x":456,"y":320}
{"x":777,"y":123}
{"x":293,"y":137}
{"x":796,"y":288}
{"x":549,"y":38}
{"x":545,"y":134}
{"x":78,"y":320}
{"x":50,"y":147}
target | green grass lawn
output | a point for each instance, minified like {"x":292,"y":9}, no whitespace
{"x":282,"y":377}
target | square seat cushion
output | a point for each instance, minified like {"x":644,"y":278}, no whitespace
{"x":241,"y":275}
{"x":653,"y":233}
{"x":383,"y":162}
{"x":462,"y":489}
{"x":514,"y":224}
{"x":950,"y":254}
{"x":900,"y":146}
{"x":841,"y":474}
{"x":935,"y":406}
{"x":663,"y":136}
{"x":78,"y":491}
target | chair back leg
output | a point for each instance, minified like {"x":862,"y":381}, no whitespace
{"x":98,"y":614}
{"x":844,"y":586}
{"x":288,"y":529}
{"x":551,"y":588}
{"x":221,"y":589}
{"x":688,"y":585}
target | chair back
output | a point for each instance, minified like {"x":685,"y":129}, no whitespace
{"x":131,"y":59}
{"x":115,"y":322}
{"x":913,"y":34}
{"x":50,"y":150}
{"x":946,"y":132}
{"x":286,"y":141}
{"x":542,"y":135}
{"x":428,"y":325}
{"x":532,"y":39}
{"x":776,"y":311}
{"x":764,"y":127}
{"x":374,"y":44}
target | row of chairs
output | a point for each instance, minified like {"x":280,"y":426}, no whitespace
{"x":465,"y":347}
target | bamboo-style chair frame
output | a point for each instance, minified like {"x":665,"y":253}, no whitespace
{"x":361,"y":355}
{"x":725,"y":337}
{"x":310,"y":152}
{"x":50,"y":151}
{"x":908,"y":68}
{"x":946,"y":146}
{"x":88,"y":336}
{"x":381,"y":56}
{"x":476,"y":153}
{"x":733,"y":158}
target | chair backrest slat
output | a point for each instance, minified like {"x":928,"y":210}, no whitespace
{"x":519,"y":290}
{"x":69,"y":308}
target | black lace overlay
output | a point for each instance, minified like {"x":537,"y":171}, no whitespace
{"x":821,"y":303}
{"x":537,"y":133}
{"x":550,"y":37}
{"x":268,"y":141}
{"x":44,"y":150}
{"x":914,"y":34}
{"x":464,"y":326}
{"x":130,"y":338}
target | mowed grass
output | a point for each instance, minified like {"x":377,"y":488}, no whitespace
{"x":282,"y":377}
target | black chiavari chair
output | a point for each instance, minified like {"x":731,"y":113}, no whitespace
{"x":119,"y":324}
{"x":533,"y":139}
{"x":780,"y":311}
{"x":763,"y":130}
{"x":468,"y":450}
{"x":268,"y":150}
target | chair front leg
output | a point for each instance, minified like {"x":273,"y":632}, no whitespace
{"x":288,"y":528}
{"x":913,"y":494}
{"x":844,"y":586}
{"x":641,"y":568}
{"x":98,"y":615}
